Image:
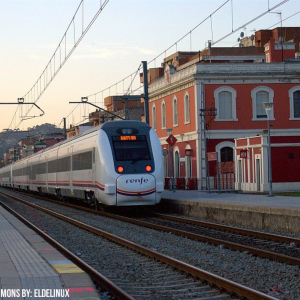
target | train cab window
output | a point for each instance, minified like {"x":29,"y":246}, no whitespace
{"x":131,"y":148}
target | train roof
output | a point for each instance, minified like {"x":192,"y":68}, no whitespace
{"x":124,"y":124}
{"x":109,"y":124}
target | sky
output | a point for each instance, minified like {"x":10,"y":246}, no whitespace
{"x":123,"y":35}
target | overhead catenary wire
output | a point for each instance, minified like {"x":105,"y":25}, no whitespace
{"x":38,"y":92}
{"x":45,"y":74}
{"x":51,"y":65}
{"x":224,"y":51}
{"x":55,"y":72}
{"x":127,"y":93}
{"x":256,"y":18}
{"x":175,"y":44}
{"x":153,"y":60}
{"x":187,"y":34}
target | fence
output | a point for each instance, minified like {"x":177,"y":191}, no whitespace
{"x":227,"y":176}
{"x":182,"y":183}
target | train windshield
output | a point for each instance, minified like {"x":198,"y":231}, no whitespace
{"x":132,"y":148}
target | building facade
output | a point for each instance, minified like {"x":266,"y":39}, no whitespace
{"x":253,"y":164}
{"x":217,"y":96}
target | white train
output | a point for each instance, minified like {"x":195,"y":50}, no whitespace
{"x":116,"y":164}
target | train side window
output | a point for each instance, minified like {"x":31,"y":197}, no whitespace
{"x":42,"y":168}
{"x":63,"y":164}
{"x":32,"y":175}
{"x":52,"y":166}
{"x":83,"y":161}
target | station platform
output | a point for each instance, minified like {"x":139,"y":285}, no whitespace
{"x":278,"y":213}
{"x":30,"y":268}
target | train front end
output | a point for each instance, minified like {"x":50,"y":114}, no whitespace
{"x":136,"y":172}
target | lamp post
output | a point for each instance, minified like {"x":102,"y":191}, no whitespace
{"x":170,"y":171}
{"x":268,"y":107}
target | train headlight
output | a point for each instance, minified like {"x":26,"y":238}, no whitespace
{"x":120,"y":169}
{"x":148,"y":168}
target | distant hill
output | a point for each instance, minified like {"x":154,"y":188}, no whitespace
{"x":11,"y":137}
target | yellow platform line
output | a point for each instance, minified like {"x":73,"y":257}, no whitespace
{"x":67,"y":269}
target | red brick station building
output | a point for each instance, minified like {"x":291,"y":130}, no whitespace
{"x":213,"y":102}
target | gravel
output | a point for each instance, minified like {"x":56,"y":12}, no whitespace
{"x":276,"y":279}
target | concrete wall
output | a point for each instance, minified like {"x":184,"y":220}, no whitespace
{"x":277,"y":219}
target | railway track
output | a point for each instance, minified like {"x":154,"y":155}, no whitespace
{"x":266,"y":245}
{"x":279,"y":248}
{"x":147,"y":274}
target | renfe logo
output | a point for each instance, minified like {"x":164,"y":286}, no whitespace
{"x":140,"y":181}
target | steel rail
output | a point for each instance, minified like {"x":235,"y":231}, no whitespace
{"x":236,"y":230}
{"x":228,"y":285}
{"x":97,"y":277}
{"x":202,"y":238}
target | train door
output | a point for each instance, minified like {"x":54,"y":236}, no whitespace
{"x":239,"y":174}
{"x":21,"y":175}
{"x":46,"y":170}
{"x":94,"y":165}
{"x":25,"y":172}
{"x":257,"y":175}
{"x":71,"y":149}
{"x":10,"y":176}
{"x":29,"y":173}
{"x":56,"y":178}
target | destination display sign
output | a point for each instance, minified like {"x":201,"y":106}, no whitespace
{"x":128,"y":138}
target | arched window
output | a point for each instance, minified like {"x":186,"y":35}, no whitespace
{"x":260,"y":95}
{"x":188,"y":163}
{"x":226,"y":154}
{"x":225,"y":105}
{"x":186,"y":108}
{"x":294,"y":94}
{"x":225,"y":102}
{"x":176,"y":164}
{"x":296,"y":100}
{"x":165,"y":162}
{"x":175,"y":112}
{"x":154,"y":117}
{"x":163,"y":115}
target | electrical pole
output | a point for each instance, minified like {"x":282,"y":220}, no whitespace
{"x":146,"y":94}
{"x":65,"y":128}
{"x":205,"y":112}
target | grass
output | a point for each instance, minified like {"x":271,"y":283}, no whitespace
{"x":292,"y":194}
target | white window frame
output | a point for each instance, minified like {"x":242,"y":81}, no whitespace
{"x":188,"y":147}
{"x":233,"y":103}
{"x":154,"y":117}
{"x":223,"y":145}
{"x":187,"y":108}
{"x":253,"y":96}
{"x":175,"y":100}
{"x":163,"y":115}
{"x":176,"y":149}
{"x":291,"y":96}
{"x":166,"y":164}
